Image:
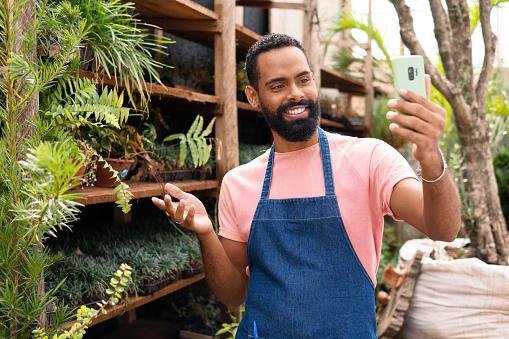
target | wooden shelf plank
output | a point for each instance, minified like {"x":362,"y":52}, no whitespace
{"x":177,"y":9}
{"x":331,"y":124}
{"x":185,"y":18}
{"x":132,"y":303}
{"x":157,"y":89}
{"x":272,"y":4}
{"x":99,"y":195}
{"x":245,"y":38}
{"x":246,"y":106}
{"x":334,"y":79}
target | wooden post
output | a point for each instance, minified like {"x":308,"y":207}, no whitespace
{"x":311,"y":38}
{"x":23,"y":26}
{"x":368,"y":76}
{"x":227,"y":136}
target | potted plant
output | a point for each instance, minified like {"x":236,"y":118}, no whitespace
{"x":117,"y":149}
{"x":188,"y":159}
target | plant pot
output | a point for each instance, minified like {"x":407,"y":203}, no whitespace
{"x":202,"y":174}
{"x":104,"y":175}
{"x":81,"y":171}
{"x":177,"y":175}
{"x":150,"y":286}
{"x":192,"y":271}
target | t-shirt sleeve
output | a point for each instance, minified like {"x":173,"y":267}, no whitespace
{"x":388,"y":167}
{"x":228,"y":225}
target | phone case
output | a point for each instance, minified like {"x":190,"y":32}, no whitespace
{"x":409,"y":74}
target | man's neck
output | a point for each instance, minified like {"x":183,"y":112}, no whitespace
{"x":282,"y":145}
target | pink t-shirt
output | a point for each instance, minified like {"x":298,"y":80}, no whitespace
{"x":365,"y":172}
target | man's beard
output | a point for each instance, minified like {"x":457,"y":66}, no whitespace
{"x":293,"y":130}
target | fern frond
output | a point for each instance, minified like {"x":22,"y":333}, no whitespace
{"x":76,"y":102}
{"x":124,"y":197}
{"x":193,"y":149}
{"x":206,"y":132}
{"x":192,"y":130}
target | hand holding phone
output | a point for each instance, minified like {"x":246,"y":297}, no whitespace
{"x":409,"y":74}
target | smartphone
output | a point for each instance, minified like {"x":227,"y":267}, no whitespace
{"x":408,"y":72}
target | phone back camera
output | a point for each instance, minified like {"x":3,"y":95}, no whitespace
{"x":411,"y":75}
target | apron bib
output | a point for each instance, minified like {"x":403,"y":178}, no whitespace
{"x":306,"y":279}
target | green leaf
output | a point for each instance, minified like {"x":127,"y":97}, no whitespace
{"x":206,"y":132}
{"x":182,"y":153}
{"x":193,"y":127}
{"x":195,"y":156}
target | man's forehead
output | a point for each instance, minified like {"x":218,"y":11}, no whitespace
{"x":283,"y":60}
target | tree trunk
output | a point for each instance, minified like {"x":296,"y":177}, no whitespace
{"x":489,"y":235}
{"x":467,"y":97}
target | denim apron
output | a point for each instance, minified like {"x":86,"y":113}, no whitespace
{"x":306,"y":280}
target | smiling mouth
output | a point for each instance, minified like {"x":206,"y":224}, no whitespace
{"x":295,"y":112}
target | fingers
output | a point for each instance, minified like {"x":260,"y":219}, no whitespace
{"x":159,"y":203}
{"x":412,"y":102}
{"x":173,"y":210}
{"x":416,"y":124}
{"x":190,"y":215}
{"x":407,"y":134}
{"x":174,"y":191}
{"x":419,"y":114}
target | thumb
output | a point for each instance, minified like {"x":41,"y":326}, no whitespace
{"x":247,"y":271}
{"x":428,"y":86}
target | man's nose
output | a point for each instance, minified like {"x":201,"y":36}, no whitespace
{"x":296,"y":93}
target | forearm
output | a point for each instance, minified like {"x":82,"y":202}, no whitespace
{"x":224,"y":280}
{"x":441,"y":207}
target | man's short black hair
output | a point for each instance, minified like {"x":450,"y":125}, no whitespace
{"x":266,"y":43}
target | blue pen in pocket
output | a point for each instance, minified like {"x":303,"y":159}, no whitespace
{"x":255,"y":330}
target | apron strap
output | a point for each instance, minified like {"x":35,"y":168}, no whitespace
{"x":268,"y":175}
{"x":326,"y":163}
{"x":326,"y":166}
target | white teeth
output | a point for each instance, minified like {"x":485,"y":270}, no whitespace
{"x":296,"y":110}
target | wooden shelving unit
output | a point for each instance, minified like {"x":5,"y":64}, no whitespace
{"x":216,"y":29}
{"x":101,"y":195}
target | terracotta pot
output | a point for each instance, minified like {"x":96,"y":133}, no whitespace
{"x":81,"y":171}
{"x":104,"y":176}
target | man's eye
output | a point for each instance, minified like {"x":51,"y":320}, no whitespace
{"x":276,"y":87}
{"x":304,"y":80}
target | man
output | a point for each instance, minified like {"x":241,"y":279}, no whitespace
{"x":303,"y":222}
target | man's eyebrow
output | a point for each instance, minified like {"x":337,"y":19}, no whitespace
{"x":303,"y":73}
{"x":283,"y":79}
{"x":274,"y":80}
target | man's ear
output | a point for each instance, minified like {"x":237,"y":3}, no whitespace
{"x":252,"y":96}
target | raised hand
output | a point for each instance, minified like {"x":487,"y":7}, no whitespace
{"x":419,"y":121}
{"x":188,"y":211}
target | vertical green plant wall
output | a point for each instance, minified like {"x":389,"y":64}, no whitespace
{"x":40,"y":56}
